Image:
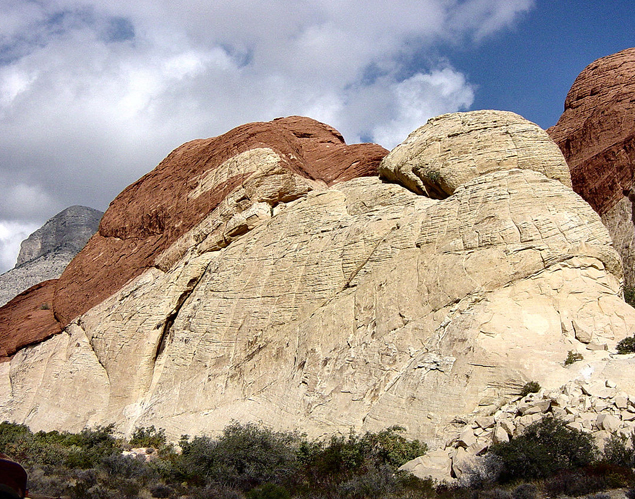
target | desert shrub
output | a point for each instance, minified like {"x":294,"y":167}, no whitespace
{"x":574,"y":483}
{"x":357,"y":465}
{"x":148,"y":437}
{"x":525,"y":491}
{"x":530,"y":387}
{"x":269,"y":491}
{"x":627,"y":345}
{"x":495,"y":493}
{"x":215,"y":492}
{"x":346,"y":455}
{"x":161,"y":491}
{"x":88,"y":447}
{"x":617,"y":450}
{"x":433,"y":176}
{"x":545,"y":448}
{"x":599,"y":495}
{"x":629,"y":295}
{"x":572,"y":357}
{"x":482,"y":473}
{"x":134,"y":468}
{"x":244,"y":456}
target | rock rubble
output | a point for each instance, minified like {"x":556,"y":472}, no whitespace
{"x":598,"y":407}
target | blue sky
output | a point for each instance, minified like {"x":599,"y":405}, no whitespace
{"x":529,"y":68}
{"x":94,"y":94}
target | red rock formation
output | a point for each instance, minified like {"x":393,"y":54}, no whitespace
{"x":151,"y":214}
{"x":27,"y":319}
{"x":596,"y":132}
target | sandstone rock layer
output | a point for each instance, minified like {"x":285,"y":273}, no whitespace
{"x":596,"y":133}
{"x":361,"y":305}
{"x":356,"y":305}
{"x":27,"y":319}
{"x":290,"y":155}
{"x":451,"y":149}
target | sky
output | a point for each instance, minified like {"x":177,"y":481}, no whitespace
{"x":95,"y":94}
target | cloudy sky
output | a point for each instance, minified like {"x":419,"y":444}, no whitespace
{"x":93,"y":94}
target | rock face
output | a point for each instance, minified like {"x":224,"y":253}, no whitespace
{"x":359,"y":304}
{"x":226,"y":183}
{"x":596,"y":134}
{"x":68,"y":231}
{"x":27,"y":319}
{"x":596,"y":406}
{"x":45,"y":254}
{"x":454,"y":148}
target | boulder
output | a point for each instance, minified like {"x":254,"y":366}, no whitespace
{"x":452,"y":149}
{"x":435,"y":464}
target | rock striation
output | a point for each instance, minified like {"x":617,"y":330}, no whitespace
{"x":596,"y":134}
{"x":454,"y":148}
{"x":324,"y":301}
{"x":236,"y":179}
{"x":45,"y":254}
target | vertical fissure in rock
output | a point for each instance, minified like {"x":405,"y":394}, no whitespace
{"x":171,"y":318}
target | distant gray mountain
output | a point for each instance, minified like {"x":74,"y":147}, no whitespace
{"x":46,"y":253}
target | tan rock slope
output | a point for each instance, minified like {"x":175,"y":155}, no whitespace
{"x":222,"y":187}
{"x":596,"y":134}
{"x":352,"y":304}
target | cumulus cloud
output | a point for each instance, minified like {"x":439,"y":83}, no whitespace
{"x":95,"y":94}
{"x":11,"y":235}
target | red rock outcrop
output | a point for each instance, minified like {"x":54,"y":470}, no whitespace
{"x":27,"y":319}
{"x":596,"y":132}
{"x":151,"y":214}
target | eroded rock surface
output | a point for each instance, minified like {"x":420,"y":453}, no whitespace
{"x":268,"y":163}
{"x":452,"y":149}
{"x":360,"y":305}
{"x":596,"y":133}
{"x":27,"y":319}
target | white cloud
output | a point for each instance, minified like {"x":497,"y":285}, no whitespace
{"x":421,"y":97}
{"x":11,"y":235}
{"x":94,"y":94}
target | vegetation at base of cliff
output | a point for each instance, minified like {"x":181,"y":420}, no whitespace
{"x":251,"y":461}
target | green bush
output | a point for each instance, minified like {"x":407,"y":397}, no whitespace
{"x":148,"y":437}
{"x":618,"y":452}
{"x":530,"y":387}
{"x":244,"y":456}
{"x":269,"y":491}
{"x":629,"y":295}
{"x":627,"y":345}
{"x":545,"y":448}
{"x":572,"y":357}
